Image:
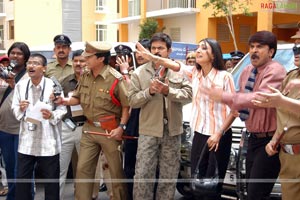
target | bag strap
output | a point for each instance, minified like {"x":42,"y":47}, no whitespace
{"x":201,"y":157}
{"x":111,"y":92}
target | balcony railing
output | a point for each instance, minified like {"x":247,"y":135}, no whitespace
{"x":178,"y":4}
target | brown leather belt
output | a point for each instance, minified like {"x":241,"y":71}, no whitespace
{"x":96,"y":124}
{"x":261,"y":134}
{"x":292,"y":149}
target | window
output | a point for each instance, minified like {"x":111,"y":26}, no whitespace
{"x":100,"y":5}
{"x":101,"y":32}
{"x":11,"y":25}
{"x":134,"y":7}
{"x":175,"y":34}
{"x":245,"y":32}
{"x":223,"y":34}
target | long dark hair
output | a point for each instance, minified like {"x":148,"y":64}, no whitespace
{"x":218,"y":62}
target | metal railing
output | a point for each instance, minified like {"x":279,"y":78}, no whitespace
{"x":178,"y":4}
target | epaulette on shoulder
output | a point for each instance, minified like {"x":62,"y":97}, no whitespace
{"x":296,"y":69}
{"x":115,"y":73}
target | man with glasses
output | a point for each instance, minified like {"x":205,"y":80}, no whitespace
{"x":40,"y":130}
{"x":62,"y":66}
{"x":9,"y":126}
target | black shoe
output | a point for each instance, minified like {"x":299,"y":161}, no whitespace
{"x":102,"y":188}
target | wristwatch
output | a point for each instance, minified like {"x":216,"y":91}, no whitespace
{"x":123,"y":126}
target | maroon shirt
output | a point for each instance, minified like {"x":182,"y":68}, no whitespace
{"x":260,"y":119}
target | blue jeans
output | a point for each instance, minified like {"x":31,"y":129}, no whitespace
{"x":9,"y":148}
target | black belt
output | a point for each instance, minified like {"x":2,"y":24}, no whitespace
{"x":261,"y":134}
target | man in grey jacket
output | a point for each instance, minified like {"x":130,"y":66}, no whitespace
{"x":160,"y":93}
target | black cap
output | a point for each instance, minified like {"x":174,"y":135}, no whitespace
{"x":237,"y":54}
{"x":123,"y":50}
{"x":62,"y":39}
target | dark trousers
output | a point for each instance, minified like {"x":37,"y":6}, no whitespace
{"x":207,"y":166}
{"x":9,"y":148}
{"x":129,"y":164}
{"x":49,"y":169}
{"x":260,"y":166}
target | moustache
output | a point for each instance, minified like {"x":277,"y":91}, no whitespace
{"x":254,"y":56}
{"x":157,"y":54}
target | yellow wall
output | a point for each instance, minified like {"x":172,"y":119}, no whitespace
{"x":37,"y":22}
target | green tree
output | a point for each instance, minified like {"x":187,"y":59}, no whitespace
{"x":225,"y":8}
{"x":148,"y":28}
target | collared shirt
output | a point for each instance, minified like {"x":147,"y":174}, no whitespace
{"x":289,"y":120}
{"x":94,"y":95}
{"x":56,"y":70}
{"x":207,"y":115}
{"x":260,"y":119}
{"x":46,"y":139}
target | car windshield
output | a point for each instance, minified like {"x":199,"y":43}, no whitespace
{"x":284,"y":56}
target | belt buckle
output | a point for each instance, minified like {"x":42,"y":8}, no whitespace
{"x":288,"y":149}
{"x":97,"y":124}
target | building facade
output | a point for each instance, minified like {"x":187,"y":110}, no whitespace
{"x":36,"y":22}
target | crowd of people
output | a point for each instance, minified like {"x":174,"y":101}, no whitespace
{"x":90,"y":109}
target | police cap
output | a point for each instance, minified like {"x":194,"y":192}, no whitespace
{"x":62,"y":39}
{"x":123,"y":50}
{"x":91,"y":48}
{"x":237,"y":55}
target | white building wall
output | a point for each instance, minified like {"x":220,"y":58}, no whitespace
{"x":187,"y":24}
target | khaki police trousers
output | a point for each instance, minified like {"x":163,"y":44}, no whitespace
{"x":90,"y":147}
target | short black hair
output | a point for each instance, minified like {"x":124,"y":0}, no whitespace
{"x":162,"y":37}
{"x":41,"y":56}
{"x":145,"y":43}
{"x":265,"y":38}
{"x":106,"y":56}
{"x":77,"y":53}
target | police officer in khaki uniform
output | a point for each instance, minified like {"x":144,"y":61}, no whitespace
{"x":62,"y":66}
{"x":102,"y":94}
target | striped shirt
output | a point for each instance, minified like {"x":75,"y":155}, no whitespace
{"x":208,"y":116}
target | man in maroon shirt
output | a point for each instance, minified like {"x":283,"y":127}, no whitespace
{"x":261,"y":122}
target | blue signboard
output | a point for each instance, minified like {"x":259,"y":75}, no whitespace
{"x":180,"y":50}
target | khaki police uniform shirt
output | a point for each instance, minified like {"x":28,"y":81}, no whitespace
{"x":56,"y":70}
{"x":289,"y":120}
{"x":94,"y":96}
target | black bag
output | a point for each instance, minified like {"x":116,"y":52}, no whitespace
{"x":205,"y":186}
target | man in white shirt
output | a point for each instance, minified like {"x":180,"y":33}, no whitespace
{"x":40,"y":130}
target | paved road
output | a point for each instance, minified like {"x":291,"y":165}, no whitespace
{"x":69,"y":195}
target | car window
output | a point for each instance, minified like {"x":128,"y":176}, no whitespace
{"x":283,"y":56}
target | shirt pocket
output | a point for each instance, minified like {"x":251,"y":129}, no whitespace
{"x":102,"y":99}
{"x":85,"y":97}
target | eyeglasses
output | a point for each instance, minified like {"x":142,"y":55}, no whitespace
{"x":33,"y":63}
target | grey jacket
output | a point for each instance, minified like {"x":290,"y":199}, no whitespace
{"x":8,"y":121}
{"x":151,"y":114}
